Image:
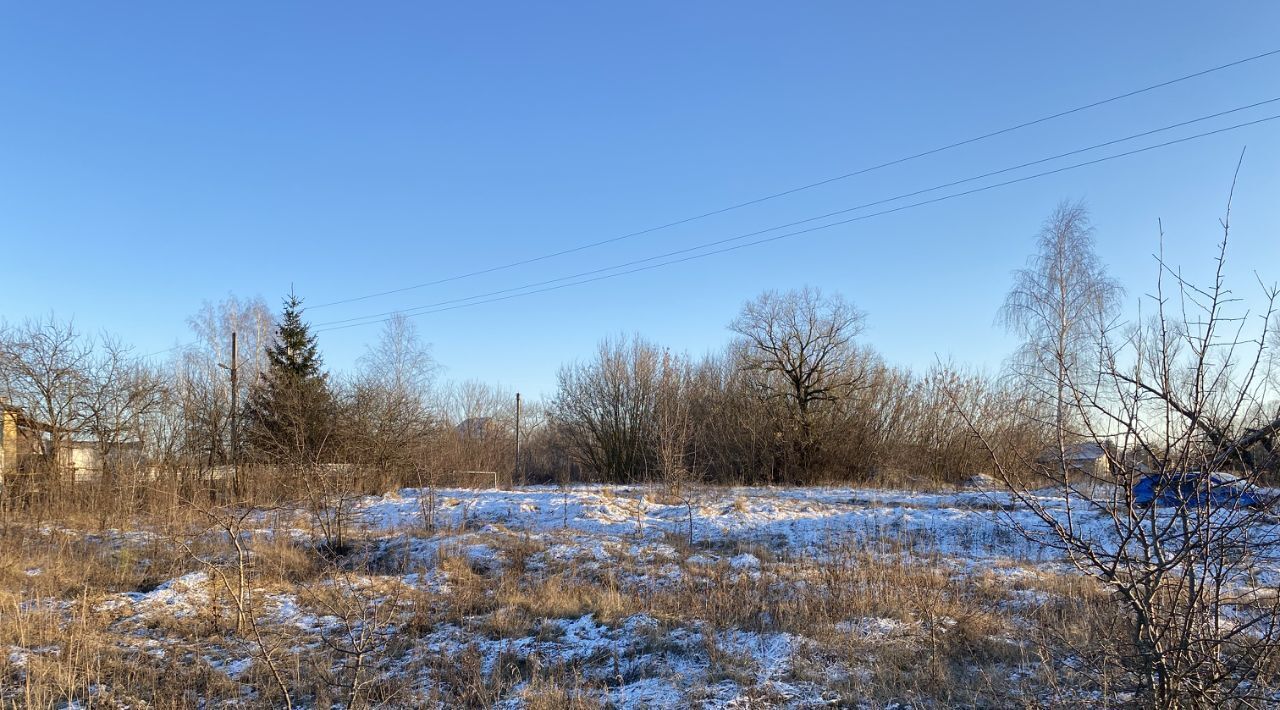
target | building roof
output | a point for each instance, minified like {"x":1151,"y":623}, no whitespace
{"x":21,"y":417}
{"x":1085,"y":452}
{"x":474,"y":427}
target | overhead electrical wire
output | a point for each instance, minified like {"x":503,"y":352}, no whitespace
{"x":809,"y":186}
{"x":765,"y":198}
{"x":853,"y":208}
{"x":462,"y":302}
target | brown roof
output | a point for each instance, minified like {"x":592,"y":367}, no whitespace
{"x":23,"y":419}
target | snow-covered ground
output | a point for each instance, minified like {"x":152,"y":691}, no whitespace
{"x":590,"y":581}
{"x":973,"y":524}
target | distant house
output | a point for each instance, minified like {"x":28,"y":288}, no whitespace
{"x":477,"y":428}
{"x":85,"y":461}
{"x":26,"y":446}
{"x":23,"y":441}
{"x":1089,"y":458}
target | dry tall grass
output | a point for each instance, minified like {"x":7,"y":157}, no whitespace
{"x":369,"y":628}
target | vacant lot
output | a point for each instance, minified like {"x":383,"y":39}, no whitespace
{"x":550,"y":598}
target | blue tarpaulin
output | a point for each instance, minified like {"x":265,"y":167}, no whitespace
{"x":1193,"y":489}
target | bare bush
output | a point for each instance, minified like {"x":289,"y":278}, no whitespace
{"x":605,"y":409}
{"x":1169,"y":403}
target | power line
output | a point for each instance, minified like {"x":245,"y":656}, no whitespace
{"x":160,"y":352}
{"x":844,"y":210}
{"x":438,"y":306}
{"x":809,"y":186}
{"x":411,"y":312}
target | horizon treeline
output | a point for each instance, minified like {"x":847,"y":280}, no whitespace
{"x":796,"y":397}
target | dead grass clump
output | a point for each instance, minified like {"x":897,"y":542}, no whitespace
{"x":88,"y":665}
{"x":469,"y":593}
{"x":425,"y":611}
{"x":507,"y":622}
{"x":460,"y":680}
{"x":517,"y":549}
{"x":61,"y":564}
{"x":280,"y":559}
{"x":551,"y":694}
{"x":560,"y":597}
{"x":725,"y":665}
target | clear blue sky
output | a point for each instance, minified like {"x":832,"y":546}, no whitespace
{"x":157,"y":155}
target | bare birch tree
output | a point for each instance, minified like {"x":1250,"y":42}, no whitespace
{"x":201,"y":379}
{"x":1059,"y":304}
{"x":1177,"y":542}
{"x":386,"y":415}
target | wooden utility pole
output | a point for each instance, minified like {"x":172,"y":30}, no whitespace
{"x":235,"y":418}
{"x":516,"y":474}
{"x":234,"y":368}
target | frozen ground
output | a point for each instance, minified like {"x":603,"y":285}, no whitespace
{"x":625,"y":596}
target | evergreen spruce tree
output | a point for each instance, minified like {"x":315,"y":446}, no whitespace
{"x":290,"y":414}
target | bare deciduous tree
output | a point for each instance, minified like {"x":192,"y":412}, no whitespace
{"x":1177,"y":543}
{"x":479,"y":430}
{"x":366,"y":624}
{"x":201,"y":382}
{"x":1059,"y":304}
{"x":798,"y":348}
{"x":122,"y":396}
{"x":43,"y":370}
{"x":387,"y":423}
